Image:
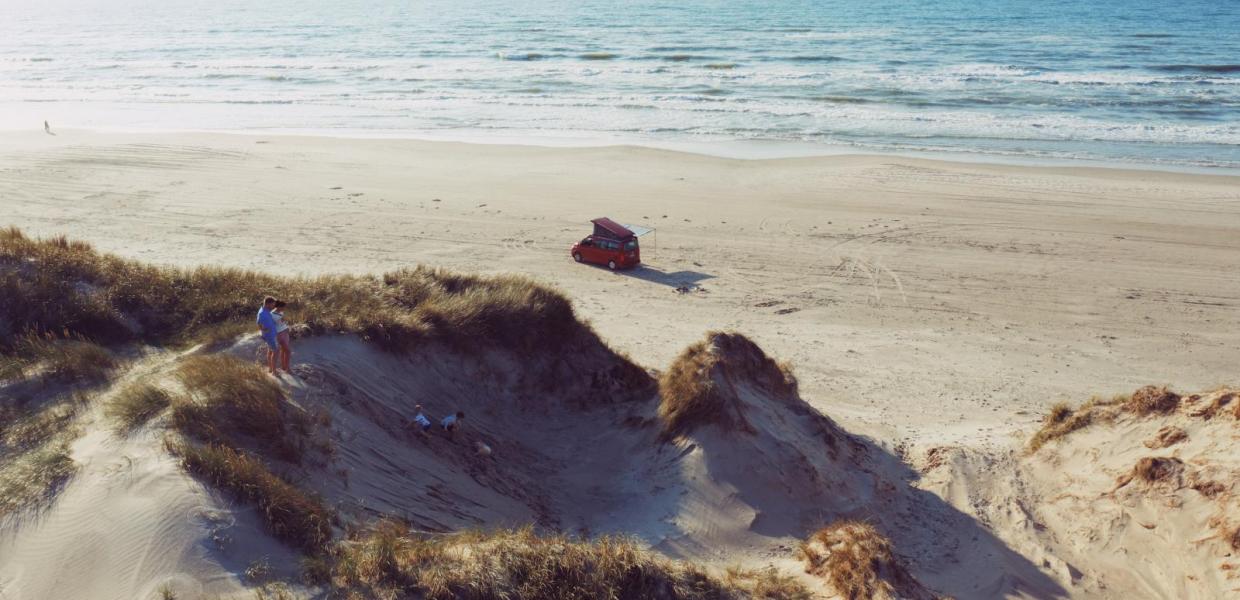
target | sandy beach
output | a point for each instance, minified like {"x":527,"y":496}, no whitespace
{"x":920,"y":302}
{"x":932,"y":313}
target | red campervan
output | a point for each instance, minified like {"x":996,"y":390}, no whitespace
{"x":612,"y":244}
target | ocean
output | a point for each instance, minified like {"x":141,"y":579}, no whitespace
{"x":1121,"y":81}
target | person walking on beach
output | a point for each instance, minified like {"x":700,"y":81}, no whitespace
{"x":451,"y":423}
{"x":267,"y":327}
{"x":283,"y":338}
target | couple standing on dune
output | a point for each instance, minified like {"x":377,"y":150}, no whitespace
{"x":275,"y":333}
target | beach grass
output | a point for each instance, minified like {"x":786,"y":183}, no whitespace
{"x":695,"y":389}
{"x":62,"y":286}
{"x":290,"y":514}
{"x":389,"y":560}
{"x":136,"y":403}
{"x":859,"y":563}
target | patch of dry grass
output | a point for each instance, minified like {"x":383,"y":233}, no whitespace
{"x":136,"y":403}
{"x":391,"y":562}
{"x":1063,"y":419}
{"x":22,"y":429}
{"x":65,"y":359}
{"x":60,"y":285}
{"x":1152,"y":400}
{"x":274,"y":591}
{"x":857,"y":561}
{"x":1217,"y":406}
{"x":231,"y":405}
{"x":765,"y":584}
{"x":34,"y":448}
{"x":1154,"y":470}
{"x":33,"y":475}
{"x":232,"y":402}
{"x":1168,"y":435}
{"x":697,"y":389}
{"x":290,"y":514}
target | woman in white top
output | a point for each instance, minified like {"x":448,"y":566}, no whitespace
{"x":282,"y":335}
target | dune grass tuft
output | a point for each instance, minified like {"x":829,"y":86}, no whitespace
{"x":1168,"y":435}
{"x":390,"y":561}
{"x":1061,"y":421}
{"x":34,"y":447}
{"x":290,"y":514}
{"x":1152,"y":470}
{"x":67,"y":359}
{"x":24,"y":429}
{"x":275,"y":591}
{"x":136,"y":403}
{"x":235,"y":403}
{"x":698,"y":388}
{"x":1152,"y":400}
{"x":1217,"y":406}
{"x":857,"y":561}
{"x":766,"y":584}
{"x":33,"y":475}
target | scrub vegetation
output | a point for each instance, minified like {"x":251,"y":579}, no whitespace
{"x":136,"y":403}
{"x":389,"y":561}
{"x":66,"y":287}
{"x":699,"y":387}
{"x":34,"y":449}
{"x":858,"y":562}
{"x":290,"y":514}
{"x":234,"y":422}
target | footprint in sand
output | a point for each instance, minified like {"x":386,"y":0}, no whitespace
{"x":786,"y":311}
{"x":769,"y":303}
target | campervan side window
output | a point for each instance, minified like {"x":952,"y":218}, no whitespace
{"x":630,"y":245}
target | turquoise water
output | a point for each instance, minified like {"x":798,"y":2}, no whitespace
{"x":1142,"y":81}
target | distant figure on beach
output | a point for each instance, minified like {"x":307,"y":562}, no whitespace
{"x":283,"y":338}
{"x":451,"y":423}
{"x":420,"y":421}
{"x":47,"y":128}
{"x":267,"y":327}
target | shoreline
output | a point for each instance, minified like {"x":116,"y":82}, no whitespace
{"x":734,"y":149}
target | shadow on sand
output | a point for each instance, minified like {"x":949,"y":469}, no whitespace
{"x":681,"y":280}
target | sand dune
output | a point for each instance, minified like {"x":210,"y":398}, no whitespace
{"x":131,"y":522}
{"x":1069,"y":520}
{"x":1091,"y":510}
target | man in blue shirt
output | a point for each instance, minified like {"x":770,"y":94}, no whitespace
{"x":267,"y":326}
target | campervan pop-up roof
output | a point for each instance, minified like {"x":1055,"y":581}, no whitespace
{"x":604,"y":227}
